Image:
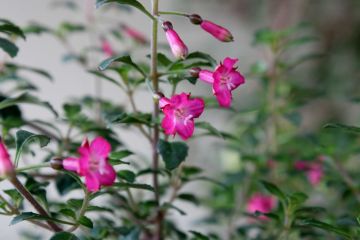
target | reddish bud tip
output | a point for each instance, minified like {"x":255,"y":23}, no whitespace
{"x":57,"y":163}
{"x":195,"y":19}
{"x":167,"y":26}
{"x":194,"y":72}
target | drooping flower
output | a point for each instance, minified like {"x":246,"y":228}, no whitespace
{"x":313,"y":170}
{"x":6,"y":165}
{"x":134,"y":34}
{"x":261,"y":203}
{"x":215,"y":30}
{"x":180,"y":112}
{"x":178,"y":47}
{"x":93,"y":164}
{"x":224,"y":80}
{"x":107,"y":48}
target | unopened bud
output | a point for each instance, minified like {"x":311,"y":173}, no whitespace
{"x":167,"y":25}
{"x":57,"y":163}
{"x":194,"y":72}
{"x":195,"y":19}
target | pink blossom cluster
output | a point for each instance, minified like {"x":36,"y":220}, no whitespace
{"x":261,"y":203}
{"x":313,"y":170}
{"x":180,"y":110}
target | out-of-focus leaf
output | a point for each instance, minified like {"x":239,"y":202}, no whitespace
{"x":64,"y":236}
{"x":127,"y":175}
{"x":12,"y":29}
{"x":9,"y":47}
{"x":103,"y":76}
{"x":26,"y":98}
{"x":122,"y":59}
{"x":273,"y":189}
{"x":327,"y":227}
{"x":85,"y":221}
{"x":134,"y":185}
{"x":347,"y":128}
{"x":133,"y":3}
{"x":173,"y":153}
{"x":24,"y":137}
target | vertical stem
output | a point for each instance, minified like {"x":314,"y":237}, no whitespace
{"x":154,"y":77}
{"x":18,"y":185}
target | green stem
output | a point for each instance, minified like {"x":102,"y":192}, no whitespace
{"x":156,"y":113}
{"x":85,"y":204}
{"x":37,"y":166}
{"x":174,"y":13}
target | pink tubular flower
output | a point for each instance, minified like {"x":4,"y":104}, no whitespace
{"x":314,"y":170}
{"x":6,"y":166}
{"x":178,"y":47}
{"x":180,"y":112}
{"x":260,"y":203}
{"x":217,"y":31}
{"x":93,"y":164}
{"x":224,"y":80}
{"x":107,"y":48}
{"x":135,"y":35}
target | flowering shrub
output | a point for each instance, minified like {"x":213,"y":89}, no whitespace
{"x":107,"y":191}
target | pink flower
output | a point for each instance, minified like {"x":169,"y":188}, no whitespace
{"x":93,"y":164}
{"x":217,"y":31}
{"x":135,"y":35}
{"x":314,"y":170}
{"x":107,"y":48}
{"x":178,"y":47}
{"x":261,"y":203}
{"x":6,"y":166}
{"x":224,"y":80}
{"x":180,"y":112}
{"x":315,"y":173}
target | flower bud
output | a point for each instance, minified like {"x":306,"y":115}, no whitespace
{"x":57,"y":163}
{"x":178,"y":47}
{"x":194,"y":72}
{"x":195,"y":19}
{"x":217,"y":31}
{"x":106,"y":47}
{"x":6,"y":166}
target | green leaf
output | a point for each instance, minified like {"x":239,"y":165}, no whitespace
{"x":134,"y":234}
{"x":127,"y":175}
{"x":273,"y":189}
{"x":103,"y":76}
{"x":64,"y":236}
{"x":26,"y":98}
{"x":347,"y":128}
{"x":33,"y":216}
{"x":173,"y":153}
{"x":120,"y":154}
{"x":133,"y":118}
{"x":71,"y":110}
{"x":327,"y":227}
{"x":204,"y":56}
{"x":24,"y":137}
{"x":122,"y":59}
{"x":35,"y":28}
{"x":38,"y":71}
{"x":211,"y":129}
{"x":65,"y":184}
{"x":85,"y":221}
{"x":189,"y":197}
{"x":133,"y":3}
{"x":15,"y":196}
{"x":134,"y":185}
{"x":68,"y":213}
{"x":12,"y":29}
{"x":75,"y":203}
{"x":9,"y":47}
{"x":198,"y":236}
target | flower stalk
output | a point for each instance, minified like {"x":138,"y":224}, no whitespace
{"x":156,"y":113}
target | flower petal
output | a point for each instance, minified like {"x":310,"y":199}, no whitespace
{"x":107,"y":175}
{"x":91,"y":182}
{"x":164,"y":101}
{"x":169,"y":122}
{"x":223,"y":96}
{"x":71,"y":164}
{"x":206,"y":76}
{"x":195,"y":107}
{"x":100,"y":147}
{"x":230,"y":62}
{"x":185,"y":129}
{"x":235,"y":80}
